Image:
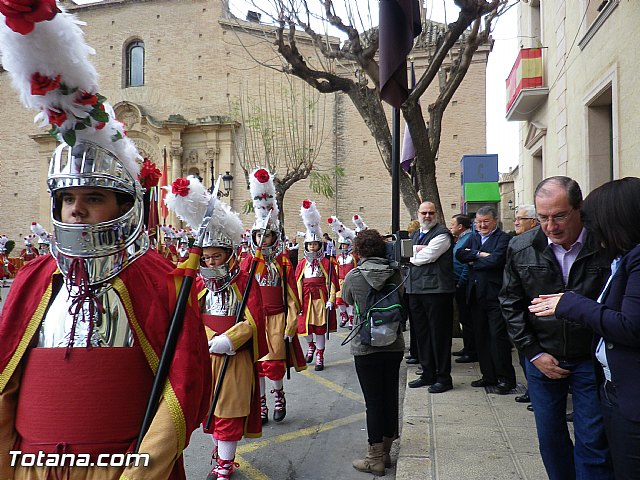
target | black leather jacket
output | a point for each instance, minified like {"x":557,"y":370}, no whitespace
{"x":532,"y":270}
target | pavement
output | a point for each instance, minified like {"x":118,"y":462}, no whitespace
{"x":467,"y":432}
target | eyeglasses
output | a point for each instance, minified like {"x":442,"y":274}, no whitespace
{"x":558,"y":219}
{"x":427,"y":213}
{"x":519,"y":219}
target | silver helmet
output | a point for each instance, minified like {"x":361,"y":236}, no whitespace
{"x":106,"y":247}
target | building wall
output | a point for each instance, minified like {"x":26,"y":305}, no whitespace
{"x":195,"y":66}
{"x":581,"y":76}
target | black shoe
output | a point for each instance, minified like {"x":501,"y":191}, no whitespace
{"x":420,"y":382}
{"x":412,"y":361}
{"x":440,"y":387}
{"x":530,"y":407}
{"x":419,"y":371}
{"x":483,"y":383}
{"x":407,"y":357}
{"x":523,"y":398}
{"x":569,"y":417}
{"x":466,"y":359}
{"x":504,"y":388}
{"x":459,"y":353}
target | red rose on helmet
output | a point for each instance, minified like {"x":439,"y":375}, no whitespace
{"x":180,"y":187}
{"x":22,"y":15}
{"x":306,"y":203}
{"x":86,"y":98}
{"x":262,"y":175}
{"x":56,"y":118}
{"x":330,"y":220}
{"x":41,"y":84}
{"x":149,"y":174}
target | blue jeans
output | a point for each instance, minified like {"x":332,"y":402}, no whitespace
{"x":590,"y":458}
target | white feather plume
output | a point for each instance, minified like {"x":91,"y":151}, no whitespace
{"x":359,"y":223}
{"x":57,"y":49}
{"x":192,"y":207}
{"x":263,"y":195}
{"x":340,"y":229}
{"x":311,"y":217}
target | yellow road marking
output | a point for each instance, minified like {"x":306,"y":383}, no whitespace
{"x":249,"y":470}
{"x":334,"y":386}
{"x":286,"y":437}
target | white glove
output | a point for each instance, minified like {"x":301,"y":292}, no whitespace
{"x":221,"y":345}
{"x":329,"y":305}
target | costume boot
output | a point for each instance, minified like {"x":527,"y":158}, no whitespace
{"x":214,"y":461}
{"x":373,"y":462}
{"x":344,"y":318}
{"x":310,"y":351}
{"x":319,"y":360}
{"x":225,"y":468}
{"x":280,"y":408}
{"x":387,"y":442}
{"x":264,"y":411}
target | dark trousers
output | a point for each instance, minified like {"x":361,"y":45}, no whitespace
{"x":378,"y":374}
{"x":623,"y":435}
{"x":432,"y":315}
{"x":413,"y":347}
{"x":492,"y":342}
{"x":466,"y":320}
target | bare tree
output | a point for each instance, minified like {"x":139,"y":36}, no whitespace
{"x":352,"y":67}
{"x":282,"y":129}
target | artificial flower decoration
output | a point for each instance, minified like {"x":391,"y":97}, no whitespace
{"x":180,"y":187}
{"x":262,"y":175}
{"x":306,"y":203}
{"x":149,"y":174}
{"x":41,"y":84}
{"x":22,"y":15}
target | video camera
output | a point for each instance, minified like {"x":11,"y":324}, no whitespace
{"x":399,"y":249}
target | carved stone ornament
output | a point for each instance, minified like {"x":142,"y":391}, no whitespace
{"x":193,"y":157}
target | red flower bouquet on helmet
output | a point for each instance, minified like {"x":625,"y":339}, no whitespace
{"x":22,"y":15}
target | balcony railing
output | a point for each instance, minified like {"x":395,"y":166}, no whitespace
{"x":525,"y":90}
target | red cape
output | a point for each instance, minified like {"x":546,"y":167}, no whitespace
{"x":148,"y":276}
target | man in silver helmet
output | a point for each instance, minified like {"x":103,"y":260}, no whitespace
{"x":80,"y":339}
{"x":236,"y":339}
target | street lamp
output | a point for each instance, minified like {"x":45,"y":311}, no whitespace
{"x":227,"y":181}
{"x":511,"y":207}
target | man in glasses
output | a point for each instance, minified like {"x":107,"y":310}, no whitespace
{"x":430,"y":287}
{"x":485,"y":254}
{"x":525,"y":219}
{"x":557,"y":257}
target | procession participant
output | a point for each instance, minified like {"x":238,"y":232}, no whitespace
{"x":170,"y":250}
{"x":221,"y":289}
{"x":28,"y":253}
{"x":243,"y":249}
{"x":44,"y":238}
{"x":347,"y":261}
{"x":358,"y":221}
{"x":61,"y":391}
{"x":6,"y":268}
{"x":277,"y":282}
{"x":314,"y":273}
{"x":183,"y":245}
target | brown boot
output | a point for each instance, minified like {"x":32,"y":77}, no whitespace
{"x":373,"y":462}
{"x":387,"y":442}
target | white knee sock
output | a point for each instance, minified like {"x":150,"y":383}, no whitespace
{"x":320,"y":342}
{"x":215,"y":442}
{"x":262,"y":386}
{"x":226,"y":449}
{"x":278,"y":384}
{"x":309,"y":338}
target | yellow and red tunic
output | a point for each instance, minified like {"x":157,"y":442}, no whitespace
{"x":313,"y":292}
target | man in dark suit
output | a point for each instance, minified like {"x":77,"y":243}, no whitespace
{"x":430,"y":287}
{"x":485,"y":253}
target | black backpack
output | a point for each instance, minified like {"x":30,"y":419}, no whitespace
{"x":383,"y":314}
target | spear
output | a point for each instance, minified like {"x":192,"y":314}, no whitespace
{"x":169,"y":349}
{"x":329,"y":292}
{"x":285,"y":286}
{"x":239,"y":317}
